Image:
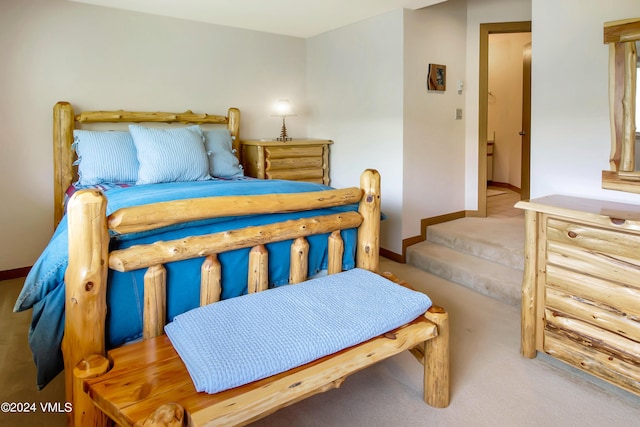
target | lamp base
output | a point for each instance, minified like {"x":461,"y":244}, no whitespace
{"x":283,"y":133}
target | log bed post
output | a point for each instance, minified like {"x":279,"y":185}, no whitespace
{"x":436,"y":361}
{"x":369,"y":231}
{"x":211,"y":280}
{"x":155,"y":301}
{"x":258,"y":276}
{"x":299,"y":267}
{"x":233,"y":124}
{"x":336,"y":252}
{"x":63,"y":169}
{"x":85,"y":297}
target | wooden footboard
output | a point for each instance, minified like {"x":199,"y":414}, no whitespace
{"x":94,"y":380}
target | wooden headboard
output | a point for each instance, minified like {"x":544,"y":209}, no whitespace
{"x":64,"y":122}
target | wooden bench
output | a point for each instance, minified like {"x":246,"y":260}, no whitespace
{"x":149,"y":384}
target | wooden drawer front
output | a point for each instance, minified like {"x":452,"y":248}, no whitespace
{"x":593,"y":336}
{"x":294,"y":163}
{"x":297,"y":174}
{"x":575,"y":330}
{"x":618,"y":298}
{"x":294,"y":151}
{"x":614,"y":327}
{"x":607,"y":254}
{"x":601,"y":364}
{"x":592,"y":300}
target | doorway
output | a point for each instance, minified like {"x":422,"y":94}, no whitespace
{"x":483,"y":131}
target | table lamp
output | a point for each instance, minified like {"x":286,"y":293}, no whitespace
{"x":283,"y":109}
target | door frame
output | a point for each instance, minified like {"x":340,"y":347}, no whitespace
{"x":483,"y":99}
{"x":525,"y":159}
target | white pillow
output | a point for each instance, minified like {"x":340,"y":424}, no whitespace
{"x":222,"y":162}
{"x":105,"y":157}
{"x":170,"y":155}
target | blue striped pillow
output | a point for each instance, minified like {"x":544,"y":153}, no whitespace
{"x":223,"y":163}
{"x":170,"y":155}
{"x":105,"y":157}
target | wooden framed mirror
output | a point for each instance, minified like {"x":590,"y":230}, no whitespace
{"x":623,"y":38}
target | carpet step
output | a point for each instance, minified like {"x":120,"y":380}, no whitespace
{"x":483,"y":254}
{"x":500,"y":240}
{"x":481,"y":275}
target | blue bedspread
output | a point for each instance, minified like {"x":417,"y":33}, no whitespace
{"x":43,"y":290}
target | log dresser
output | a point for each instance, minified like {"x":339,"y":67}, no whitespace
{"x":297,"y":160}
{"x":581,"y":286}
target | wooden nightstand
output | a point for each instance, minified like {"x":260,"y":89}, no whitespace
{"x":296,"y":160}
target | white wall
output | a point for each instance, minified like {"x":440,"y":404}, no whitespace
{"x":367,"y":88}
{"x":434,"y":163}
{"x":100,"y":58}
{"x":355,"y":87}
{"x":570,"y":133}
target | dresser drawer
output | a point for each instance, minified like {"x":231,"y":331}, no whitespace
{"x":585,"y":293}
{"x":588,"y":320}
{"x":604,"y":253}
{"x":601,"y":364}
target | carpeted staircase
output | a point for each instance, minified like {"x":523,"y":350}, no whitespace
{"x":483,"y":254}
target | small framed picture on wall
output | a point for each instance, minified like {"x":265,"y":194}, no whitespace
{"x":437,"y":77}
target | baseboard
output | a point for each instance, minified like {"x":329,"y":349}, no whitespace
{"x":504,"y":185}
{"x":393,"y":256}
{"x":14,"y":273}
{"x":424,"y":223}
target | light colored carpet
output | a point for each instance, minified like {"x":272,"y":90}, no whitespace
{"x":492,"y":385}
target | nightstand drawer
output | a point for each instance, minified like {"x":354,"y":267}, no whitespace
{"x":291,"y":152}
{"x":296,"y":174}
{"x":294,"y":163}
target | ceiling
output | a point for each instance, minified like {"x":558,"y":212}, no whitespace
{"x":297,"y":18}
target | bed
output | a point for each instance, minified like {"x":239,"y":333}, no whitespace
{"x":137,"y":256}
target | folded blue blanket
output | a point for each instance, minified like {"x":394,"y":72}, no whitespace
{"x":247,"y":338}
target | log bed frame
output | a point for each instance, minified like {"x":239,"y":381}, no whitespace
{"x":146,"y":383}
{"x":64,"y":122}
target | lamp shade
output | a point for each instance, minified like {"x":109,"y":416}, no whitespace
{"x":282,"y":108}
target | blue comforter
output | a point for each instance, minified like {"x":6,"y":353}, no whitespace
{"x":43,"y":290}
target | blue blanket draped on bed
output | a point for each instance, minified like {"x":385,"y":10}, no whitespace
{"x":43,"y":290}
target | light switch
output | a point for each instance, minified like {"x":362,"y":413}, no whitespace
{"x":458,"y":113}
